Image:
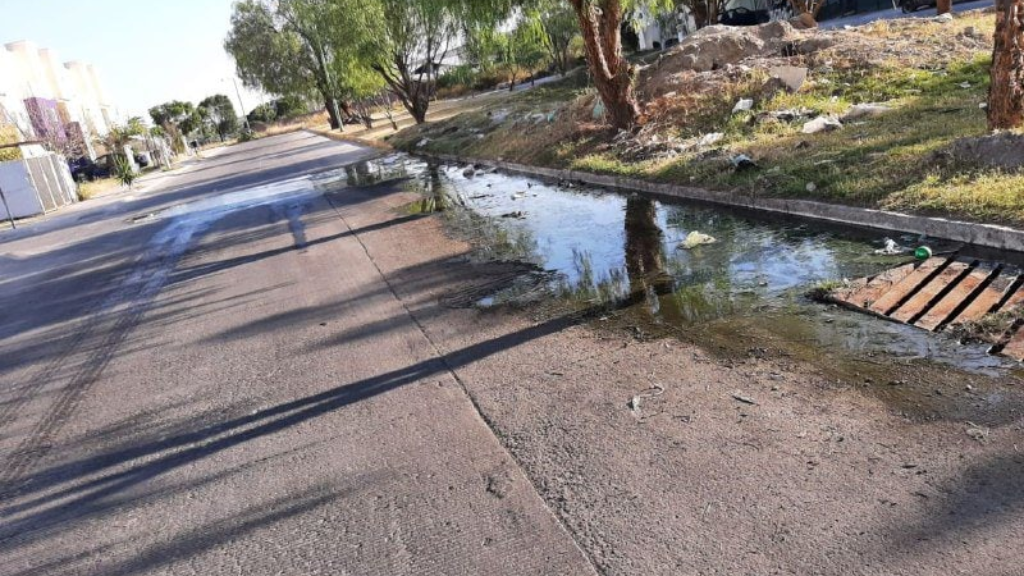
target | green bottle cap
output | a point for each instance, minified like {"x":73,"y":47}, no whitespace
{"x":923,"y":253}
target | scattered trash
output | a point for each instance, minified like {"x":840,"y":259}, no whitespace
{"x":695,"y":239}
{"x":519,"y":195}
{"x":811,"y":187}
{"x":743,"y":162}
{"x":793,"y":77}
{"x":944,"y":18}
{"x":745,"y":400}
{"x":710,"y":139}
{"x":965,"y":85}
{"x":598,"y":110}
{"x":822,"y":124}
{"x":859,"y":111}
{"x":923,"y":253}
{"x":423,"y":143}
{"x":653,"y":392}
{"x":891,"y":248}
{"x":744,"y":105}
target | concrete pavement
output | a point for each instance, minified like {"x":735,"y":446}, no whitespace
{"x":174,"y":398}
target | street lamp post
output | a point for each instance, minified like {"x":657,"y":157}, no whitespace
{"x":245,"y":117}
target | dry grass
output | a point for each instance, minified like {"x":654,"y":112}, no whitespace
{"x":98,"y":188}
{"x":933,"y":77}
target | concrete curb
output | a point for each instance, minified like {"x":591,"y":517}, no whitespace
{"x":986,"y":235}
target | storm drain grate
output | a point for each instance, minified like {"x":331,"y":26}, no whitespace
{"x":944,"y":292}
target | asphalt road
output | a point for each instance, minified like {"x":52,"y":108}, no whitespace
{"x":860,"y":19}
{"x":177,"y":394}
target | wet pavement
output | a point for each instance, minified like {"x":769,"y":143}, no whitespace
{"x":171,"y":401}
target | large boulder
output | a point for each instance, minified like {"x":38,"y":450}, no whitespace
{"x":1004,"y":151}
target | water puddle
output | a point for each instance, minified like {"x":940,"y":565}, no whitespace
{"x":630,"y":252}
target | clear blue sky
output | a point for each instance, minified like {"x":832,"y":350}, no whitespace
{"x":146,"y":52}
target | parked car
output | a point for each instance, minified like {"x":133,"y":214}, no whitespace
{"x":84,"y":169}
{"x":909,"y":6}
{"x":744,"y":17}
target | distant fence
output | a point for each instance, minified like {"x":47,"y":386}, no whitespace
{"x":36,"y":185}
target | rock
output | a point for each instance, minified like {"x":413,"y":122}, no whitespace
{"x":695,"y":239}
{"x":1004,"y":151}
{"x":469,"y":172}
{"x":744,"y":105}
{"x":822,"y":124}
{"x":864,"y":111}
{"x":793,"y":77}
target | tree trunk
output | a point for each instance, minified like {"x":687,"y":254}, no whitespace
{"x":806,"y":17}
{"x":944,"y":7}
{"x":1006,"y":95}
{"x":644,"y":252}
{"x":418,"y":105}
{"x":612,"y":74}
{"x":333,"y":115}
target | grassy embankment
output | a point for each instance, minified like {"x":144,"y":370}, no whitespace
{"x":896,"y":161}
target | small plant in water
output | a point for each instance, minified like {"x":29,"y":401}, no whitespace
{"x":823,"y":290}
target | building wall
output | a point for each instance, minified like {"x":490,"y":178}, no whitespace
{"x":14,"y":121}
{"x":42,"y":98}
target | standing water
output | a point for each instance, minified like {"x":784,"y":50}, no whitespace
{"x":674,"y":264}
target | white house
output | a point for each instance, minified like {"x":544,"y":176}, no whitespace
{"x":44,"y":98}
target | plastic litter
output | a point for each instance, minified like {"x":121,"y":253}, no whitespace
{"x":891,"y":248}
{"x":923,"y":253}
{"x":695,"y":239}
{"x":744,"y":105}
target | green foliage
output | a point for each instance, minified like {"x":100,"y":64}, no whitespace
{"x":120,"y":135}
{"x":219,"y":115}
{"x":123,"y":171}
{"x":181,"y":115}
{"x":268,"y":53}
{"x":461,"y":75}
{"x":559,"y":31}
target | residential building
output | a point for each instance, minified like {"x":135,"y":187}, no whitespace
{"x":63,"y":105}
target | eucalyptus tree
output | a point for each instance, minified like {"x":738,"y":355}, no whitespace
{"x":1006,"y":93}
{"x":299,"y":47}
{"x":406,"y":43}
{"x":600,"y":24}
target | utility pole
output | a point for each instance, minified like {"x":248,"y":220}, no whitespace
{"x":245,"y":117}
{"x":7,"y":209}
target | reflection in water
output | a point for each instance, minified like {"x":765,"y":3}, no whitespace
{"x":622,"y":252}
{"x":436,"y":197}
